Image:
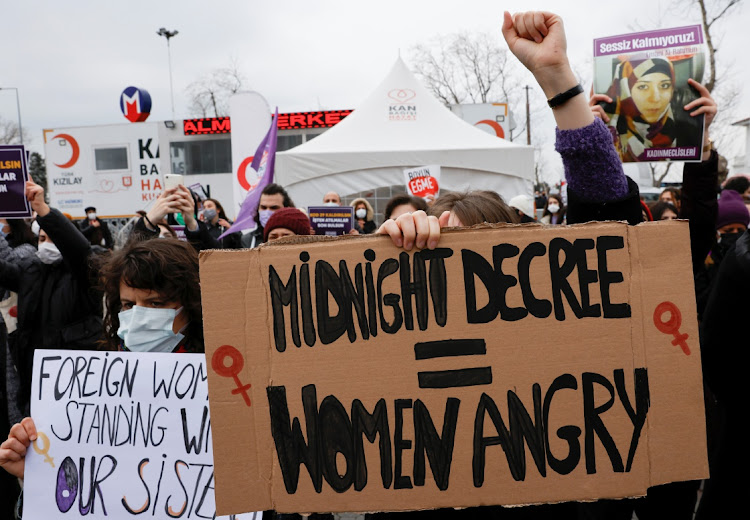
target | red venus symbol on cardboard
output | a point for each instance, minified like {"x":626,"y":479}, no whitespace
{"x":672,"y":325}
{"x":218,"y":363}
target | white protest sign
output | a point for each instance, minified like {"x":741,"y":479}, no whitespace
{"x":423,"y":181}
{"x":120,"y":434}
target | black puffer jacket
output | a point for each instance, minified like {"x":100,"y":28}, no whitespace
{"x":57,"y":308}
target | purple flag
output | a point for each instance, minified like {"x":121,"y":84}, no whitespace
{"x":263,"y":163}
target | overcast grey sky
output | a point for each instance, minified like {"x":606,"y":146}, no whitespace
{"x":71,"y":60}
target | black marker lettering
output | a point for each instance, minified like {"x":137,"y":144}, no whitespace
{"x":607,"y":278}
{"x":593,"y":423}
{"x":399,"y":444}
{"x":371,"y":424}
{"x":568,"y":433}
{"x":283,"y":295}
{"x":439,"y":448}
{"x":386,"y":269}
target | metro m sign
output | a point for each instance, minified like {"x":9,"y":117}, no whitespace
{"x":208,"y":125}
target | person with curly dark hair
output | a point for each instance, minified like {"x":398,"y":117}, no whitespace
{"x":152,"y":298}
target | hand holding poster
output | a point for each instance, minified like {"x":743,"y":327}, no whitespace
{"x":423,"y":182}
{"x":120,"y":434}
{"x":506,"y":366}
{"x":13,"y":177}
{"x":646,"y":76}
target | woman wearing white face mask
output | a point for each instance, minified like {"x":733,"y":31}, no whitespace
{"x":554,"y":213}
{"x":363,"y":216}
{"x":57,"y":308}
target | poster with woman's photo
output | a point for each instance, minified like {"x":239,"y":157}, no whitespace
{"x":646,"y":76}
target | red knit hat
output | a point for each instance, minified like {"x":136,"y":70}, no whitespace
{"x":289,"y":218}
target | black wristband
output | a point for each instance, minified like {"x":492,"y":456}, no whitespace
{"x":151,"y":223}
{"x":561,"y":98}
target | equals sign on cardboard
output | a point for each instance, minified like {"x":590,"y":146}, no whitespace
{"x":452,"y":378}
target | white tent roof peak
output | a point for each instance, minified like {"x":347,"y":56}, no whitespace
{"x":402,"y":125}
{"x":401,"y":114}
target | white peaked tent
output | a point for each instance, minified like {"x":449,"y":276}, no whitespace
{"x":401,"y":125}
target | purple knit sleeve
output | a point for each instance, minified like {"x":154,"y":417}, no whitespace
{"x":592,"y":166}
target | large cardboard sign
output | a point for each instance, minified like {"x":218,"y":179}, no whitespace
{"x":511,"y":365}
{"x":13,"y":177}
{"x":120,"y":435}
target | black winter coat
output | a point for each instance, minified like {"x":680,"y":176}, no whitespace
{"x":57,"y":309}
{"x":95,"y":235}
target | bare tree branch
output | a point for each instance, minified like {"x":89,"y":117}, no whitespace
{"x":659,"y":172}
{"x":463,"y":67}
{"x":209,"y":95}
{"x":708,"y":21}
{"x":474,"y":68}
{"x":9,"y":133}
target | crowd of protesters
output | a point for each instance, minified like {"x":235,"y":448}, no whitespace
{"x":57,"y":277}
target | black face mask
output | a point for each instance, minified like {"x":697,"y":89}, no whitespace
{"x":727,"y":241}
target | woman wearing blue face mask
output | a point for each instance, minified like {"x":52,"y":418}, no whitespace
{"x":152,"y":298}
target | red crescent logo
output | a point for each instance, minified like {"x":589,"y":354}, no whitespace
{"x":73,"y":145}
{"x":241,"y":173}
{"x":494,"y":125}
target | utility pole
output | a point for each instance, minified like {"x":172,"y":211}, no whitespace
{"x":528,"y":118}
{"x":18,"y":107}
{"x":168,"y":35}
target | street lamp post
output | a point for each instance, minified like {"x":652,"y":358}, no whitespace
{"x":528,"y":118}
{"x":168,"y":35}
{"x":18,"y":105}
